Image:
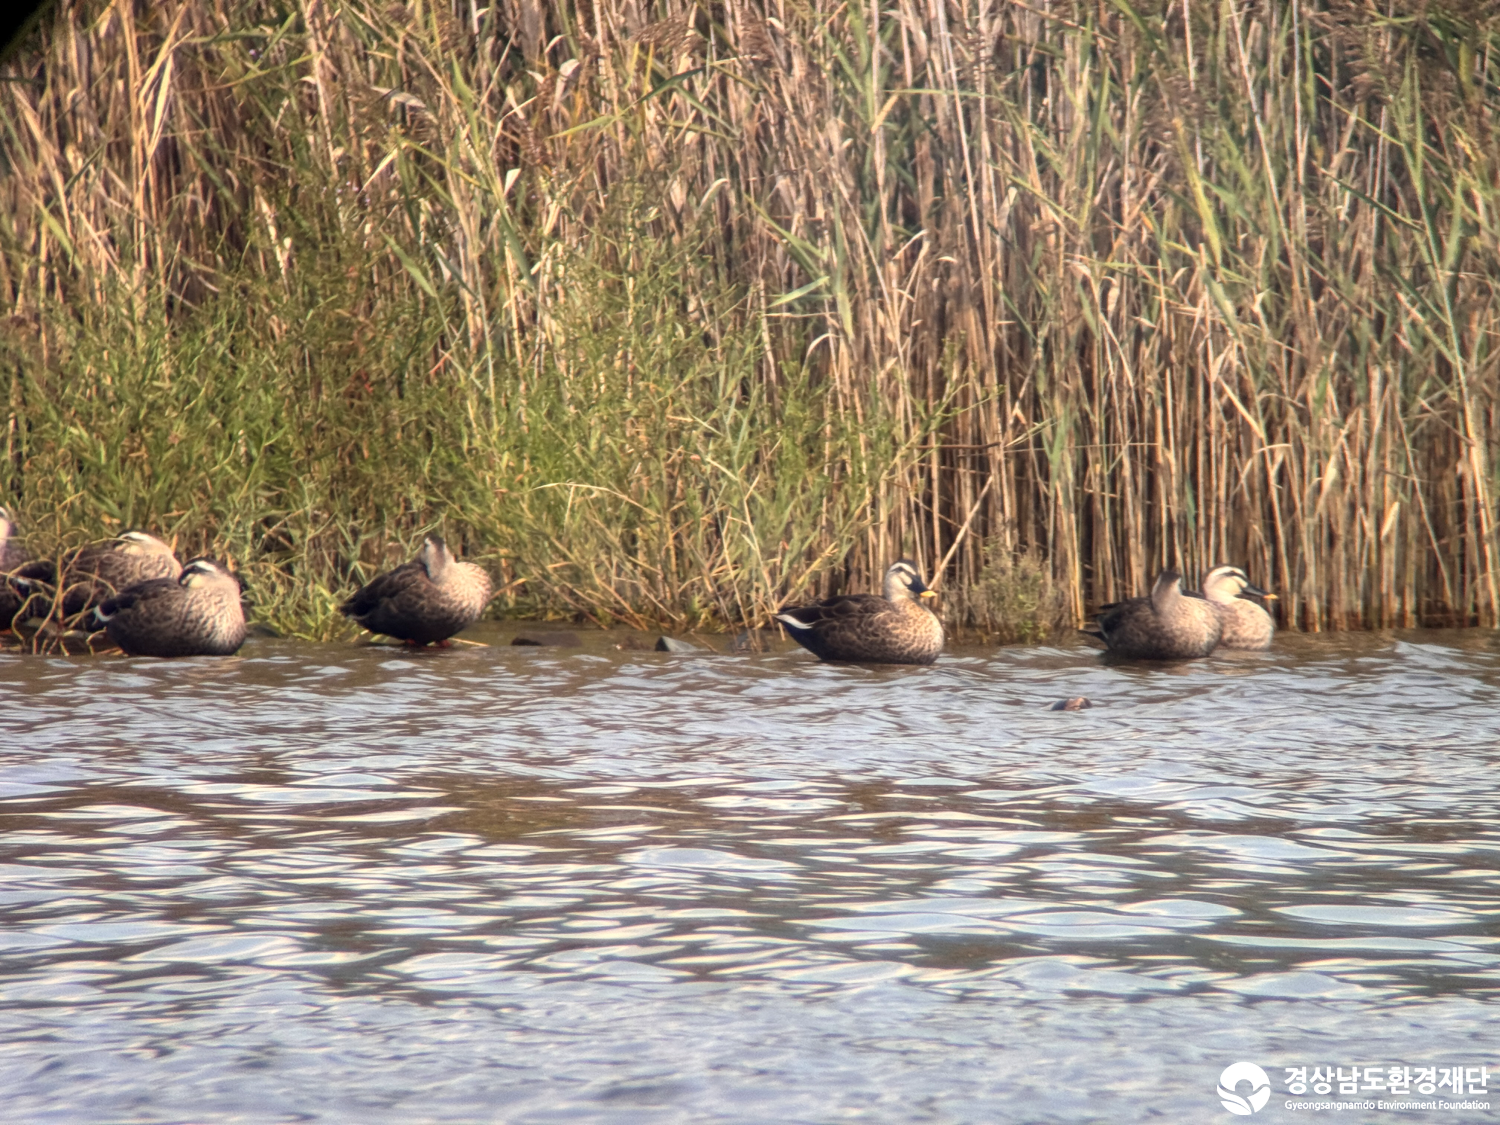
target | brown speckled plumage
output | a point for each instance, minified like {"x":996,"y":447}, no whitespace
{"x":867,"y":629}
{"x":1246,"y":624}
{"x":426,"y":600}
{"x":196,"y":614}
{"x":98,"y":571}
{"x":1168,"y":625}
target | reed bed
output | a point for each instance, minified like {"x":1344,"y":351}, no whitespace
{"x":674,"y":312}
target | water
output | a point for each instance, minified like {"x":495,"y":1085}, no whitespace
{"x":337,"y":883}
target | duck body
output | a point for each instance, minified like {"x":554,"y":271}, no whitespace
{"x":1246,"y":624}
{"x":868,"y":628}
{"x":98,"y":571}
{"x":1166,"y":625}
{"x":13,"y":558}
{"x":197,"y":613}
{"x":424,"y":601}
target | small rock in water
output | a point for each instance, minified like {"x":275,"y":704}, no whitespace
{"x":548,"y":640}
{"x":672,"y":644}
{"x":1077,"y":703}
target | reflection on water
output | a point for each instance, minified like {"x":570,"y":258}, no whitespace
{"x":537,"y":885}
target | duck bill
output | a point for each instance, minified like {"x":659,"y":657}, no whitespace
{"x":928,"y":594}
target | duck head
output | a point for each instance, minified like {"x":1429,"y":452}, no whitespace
{"x":206,"y":572}
{"x":1223,"y":584}
{"x":139,"y":543}
{"x":903,"y":580}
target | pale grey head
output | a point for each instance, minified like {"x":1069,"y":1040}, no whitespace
{"x":1223,"y":584}
{"x":205,"y":572}
{"x":139,"y":543}
{"x":904,"y":580}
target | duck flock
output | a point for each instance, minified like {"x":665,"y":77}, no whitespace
{"x":134,"y":591}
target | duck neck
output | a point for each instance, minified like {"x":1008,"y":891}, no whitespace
{"x":1219,"y":591}
{"x":439,"y":564}
{"x":1167,"y":594}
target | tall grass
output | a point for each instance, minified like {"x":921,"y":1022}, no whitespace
{"x":675,"y":312}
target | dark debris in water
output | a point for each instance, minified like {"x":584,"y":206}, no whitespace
{"x":548,"y":640}
{"x":1077,"y":703}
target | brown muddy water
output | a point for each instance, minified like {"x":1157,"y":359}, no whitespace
{"x":357,"y":884}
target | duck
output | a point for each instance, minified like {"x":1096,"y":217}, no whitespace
{"x":97,"y":571}
{"x":197,"y":613}
{"x":12,"y":551}
{"x":13,"y":557}
{"x":424,"y":601}
{"x":870,"y":629}
{"x":1246,"y":624}
{"x":1169,"y":624}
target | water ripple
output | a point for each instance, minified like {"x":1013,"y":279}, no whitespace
{"x":657,"y":882}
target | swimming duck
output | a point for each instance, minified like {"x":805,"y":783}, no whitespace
{"x":98,"y":571}
{"x":197,"y":613}
{"x":426,"y":600}
{"x":1246,"y":624}
{"x":868,"y":629}
{"x":1167,"y":625}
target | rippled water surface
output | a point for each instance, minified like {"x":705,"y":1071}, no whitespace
{"x":359,"y":884}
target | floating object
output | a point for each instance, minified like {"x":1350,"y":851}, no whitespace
{"x":424,"y":601}
{"x":196,"y":614}
{"x":1077,"y":703}
{"x":672,"y":644}
{"x":869,"y":629}
{"x":1167,"y":625}
{"x":548,"y":640}
{"x":1247,"y":625}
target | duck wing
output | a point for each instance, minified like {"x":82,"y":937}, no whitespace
{"x":1110,"y":617}
{"x":835,"y":611}
{"x":36,"y":570}
{"x":140,"y":594}
{"x":383,"y":588}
